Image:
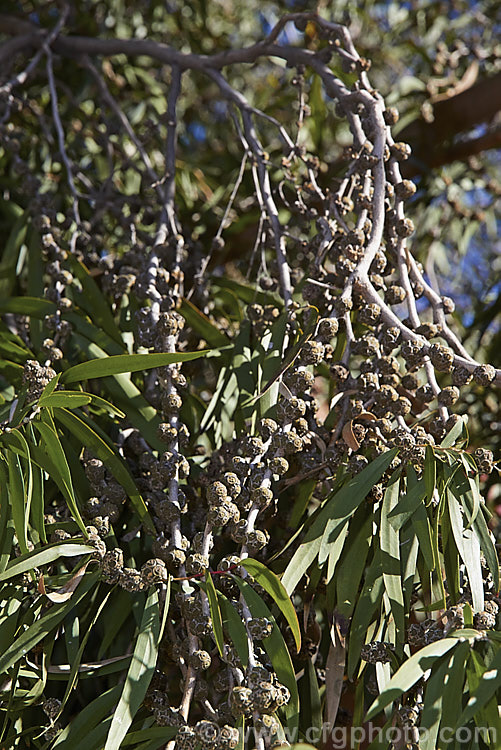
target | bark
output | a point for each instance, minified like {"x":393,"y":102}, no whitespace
{"x":433,"y":143}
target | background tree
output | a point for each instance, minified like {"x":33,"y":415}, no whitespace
{"x":230,"y":379}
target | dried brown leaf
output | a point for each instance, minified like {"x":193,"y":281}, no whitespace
{"x":66,"y":591}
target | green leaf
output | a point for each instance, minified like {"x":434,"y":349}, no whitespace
{"x":45,"y":625}
{"x":37,"y":509}
{"x":235,"y":628}
{"x":488,"y":548}
{"x":117,"y":466}
{"x":38,"y":558}
{"x":368,"y":604}
{"x":276,"y":649}
{"x":336,"y":510}
{"x":69,"y":399}
{"x":430,"y":473}
{"x":162,"y":734}
{"x":407,"y":505}
{"x":272,"y":365}
{"x":51,"y":386}
{"x":390,"y":557}
{"x":75,"y":662}
{"x":217,"y":622}
{"x":17,"y":498}
{"x":90,"y":716}
{"x":410,"y":672}
{"x":274,"y":587}
{"x":92,"y":300}
{"x":106,"y":405}
{"x":56,"y":460}
{"x":331,"y":546}
{"x":453,"y":684}
{"x":474,"y":494}
{"x":432,"y":705}
{"x":247,"y":293}
{"x":6,"y":523}
{"x":468,"y":547}
{"x":488,"y":686}
{"x":453,"y":434}
{"x":28,"y":306}
{"x":165,"y":610}
{"x":120,"y":363}
{"x":488,"y":714}
{"x":142,"y":667}
{"x":35,"y":285}
{"x":201,"y":324}
{"x":352,"y":566}
{"x":421,"y":525}
{"x":10,"y":255}
{"x":125,"y":394}
{"x":311,"y":704}
{"x":240,"y":724}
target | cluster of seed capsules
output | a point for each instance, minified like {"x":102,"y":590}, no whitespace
{"x":385,"y":372}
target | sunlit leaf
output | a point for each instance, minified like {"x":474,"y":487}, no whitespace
{"x":120,"y":363}
{"x":140,"y":672}
{"x":273,"y":585}
{"x":410,"y":672}
{"x":275,"y":648}
{"x":49,"y":554}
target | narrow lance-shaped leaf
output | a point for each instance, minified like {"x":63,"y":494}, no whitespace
{"x":69,"y":399}
{"x":215,"y":612}
{"x":367,"y":606}
{"x":276,"y":649}
{"x":45,"y":625}
{"x":235,"y":628}
{"x":17,"y":498}
{"x":165,"y":610}
{"x":102,"y":450}
{"x":336,"y":510}
{"x":51,"y":386}
{"x":352,"y":566}
{"x":453,"y":684}
{"x":78,"y":657}
{"x":56,"y":461}
{"x":140,"y":672}
{"x":407,"y":505}
{"x":43,"y":557}
{"x":37,"y":517}
{"x":153,"y":737}
{"x":275,"y":588}
{"x":410,"y":672}
{"x":421,"y":525}
{"x":92,"y":300}
{"x":488,"y":686}
{"x":311,"y":704}
{"x":202,"y":324}
{"x":486,"y":715}
{"x":28,"y":306}
{"x":10,"y":255}
{"x":432,"y":708}
{"x":390,"y":557}
{"x":469,"y":549}
{"x":430,"y":473}
{"x":334,"y":674}
{"x":118,"y":363}
{"x":453,"y":434}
